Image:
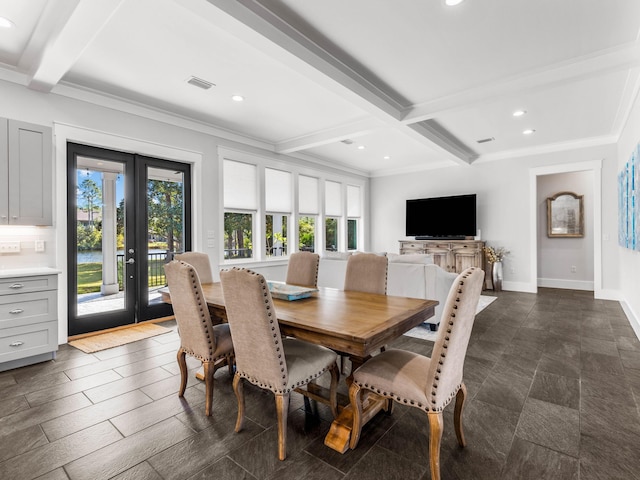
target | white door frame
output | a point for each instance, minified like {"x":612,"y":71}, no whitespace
{"x":595,"y":167}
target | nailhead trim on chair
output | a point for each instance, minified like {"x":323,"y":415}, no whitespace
{"x":426,"y":408}
{"x":203,"y":319}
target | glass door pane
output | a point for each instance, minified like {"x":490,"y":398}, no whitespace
{"x":165,"y":229}
{"x":100,"y":235}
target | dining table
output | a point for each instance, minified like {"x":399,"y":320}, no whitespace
{"x":354,"y":324}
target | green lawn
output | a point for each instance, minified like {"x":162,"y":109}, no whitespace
{"x":90,"y":276}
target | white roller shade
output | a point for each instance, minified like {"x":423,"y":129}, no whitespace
{"x":332,"y":199}
{"x":354,"y":208}
{"x":277,"y":190}
{"x":240,"y":185}
{"x":308,"y":195}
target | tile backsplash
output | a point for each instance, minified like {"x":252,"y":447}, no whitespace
{"x":27,"y":236}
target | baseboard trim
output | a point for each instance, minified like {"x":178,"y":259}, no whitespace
{"x":519,"y":287}
{"x":632,"y":317}
{"x":565,"y":284}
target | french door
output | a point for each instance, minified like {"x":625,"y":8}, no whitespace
{"x":127,"y":216}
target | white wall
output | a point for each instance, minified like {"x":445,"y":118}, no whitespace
{"x":629,"y":260}
{"x":557,"y":256}
{"x":503,"y":206}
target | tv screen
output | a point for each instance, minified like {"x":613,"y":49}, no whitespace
{"x":442,"y":217}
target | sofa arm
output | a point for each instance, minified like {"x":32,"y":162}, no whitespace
{"x":438,"y":283}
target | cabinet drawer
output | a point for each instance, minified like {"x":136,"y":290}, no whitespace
{"x":28,"y":340}
{"x":471,"y":248}
{"x":11,"y":285}
{"x":27,"y":308}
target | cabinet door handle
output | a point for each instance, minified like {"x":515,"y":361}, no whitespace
{"x":16,"y":344}
{"x":16,"y":286}
{"x":16,"y":310}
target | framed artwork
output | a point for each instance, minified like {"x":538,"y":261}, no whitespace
{"x":565,"y":215}
{"x":629,"y":202}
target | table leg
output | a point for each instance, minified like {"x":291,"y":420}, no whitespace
{"x":340,"y":431}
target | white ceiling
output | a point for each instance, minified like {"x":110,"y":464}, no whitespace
{"x":412,"y":80}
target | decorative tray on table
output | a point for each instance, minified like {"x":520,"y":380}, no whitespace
{"x":282,"y":291}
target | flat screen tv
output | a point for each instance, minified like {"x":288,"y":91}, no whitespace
{"x":442,"y":217}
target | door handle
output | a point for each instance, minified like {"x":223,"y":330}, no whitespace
{"x":131,"y":261}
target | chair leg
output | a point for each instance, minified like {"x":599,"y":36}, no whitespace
{"x":209,"y":370}
{"x":282,"y":411}
{"x":182,"y":364}
{"x":238,"y":388}
{"x":461,"y":397}
{"x":355,"y":398}
{"x":230,"y":363}
{"x":333,"y":390}
{"x":435,"y":436}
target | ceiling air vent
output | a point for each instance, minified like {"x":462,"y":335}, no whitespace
{"x":200,"y":83}
{"x":485,"y":140}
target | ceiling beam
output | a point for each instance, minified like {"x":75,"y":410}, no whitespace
{"x":330,"y":135}
{"x":62,"y":36}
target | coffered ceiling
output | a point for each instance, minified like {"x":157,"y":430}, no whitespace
{"x":415,"y":83}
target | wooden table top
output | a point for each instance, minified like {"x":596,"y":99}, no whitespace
{"x":354,"y":323}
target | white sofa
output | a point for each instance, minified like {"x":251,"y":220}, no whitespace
{"x":408,"y":276}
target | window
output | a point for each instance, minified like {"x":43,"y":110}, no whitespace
{"x":240,"y":205}
{"x":331,"y":234}
{"x":278,"y":194}
{"x":352,"y":234}
{"x":308,"y":208}
{"x":333,"y":212}
{"x":271,"y":209}
{"x":353,"y":213}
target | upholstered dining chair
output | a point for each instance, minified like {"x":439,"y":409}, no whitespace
{"x":303,"y":269}
{"x":266,"y":359}
{"x":422,"y":382}
{"x":366,"y":272}
{"x":200,"y":262}
{"x":211,"y":344}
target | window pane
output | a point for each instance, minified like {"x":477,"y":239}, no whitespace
{"x":277,"y":186}
{"x":333,"y":199}
{"x":237,"y":235}
{"x":352,"y":234}
{"x":308,"y":195}
{"x":240,"y":185}
{"x":331,"y":234}
{"x":276,"y":244}
{"x":353,"y":201}
{"x":306,"y":234}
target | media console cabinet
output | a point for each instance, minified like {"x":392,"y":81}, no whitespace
{"x":451,"y":255}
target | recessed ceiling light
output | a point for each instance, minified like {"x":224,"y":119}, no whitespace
{"x":528,"y":131}
{"x":5,"y":23}
{"x":452,"y":3}
{"x":237,"y":98}
{"x":386,"y":157}
{"x":360,"y":147}
{"x":519,"y":113}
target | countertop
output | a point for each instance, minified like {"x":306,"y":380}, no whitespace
{"x":28,"y":272}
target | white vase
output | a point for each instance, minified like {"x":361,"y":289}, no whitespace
{"x":496,"y":276}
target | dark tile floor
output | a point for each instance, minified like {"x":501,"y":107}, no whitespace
{"x":553,"y":380}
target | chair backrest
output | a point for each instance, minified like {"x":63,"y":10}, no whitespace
{"x":450,"y":349}
{"x":197,"y":336}
{"x":254,"y":328}
{"x":366,"y":272}
{"x":200,"y":262}
{"x":303,"y":269}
